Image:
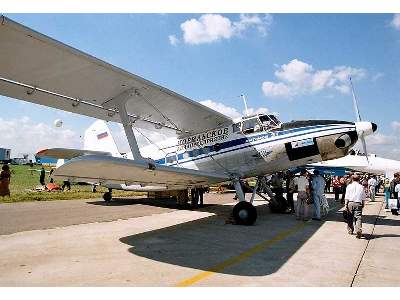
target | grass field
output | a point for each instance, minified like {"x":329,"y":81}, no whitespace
{"x":24,"y":181}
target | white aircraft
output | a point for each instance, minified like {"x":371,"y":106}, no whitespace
{"x":357,"y":161}
{"x":206,"y":146}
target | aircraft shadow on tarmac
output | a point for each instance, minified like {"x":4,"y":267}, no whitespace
{"x":164,"y":203}
{"x":205,"y":243}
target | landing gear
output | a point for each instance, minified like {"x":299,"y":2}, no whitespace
{"x":197,"y":197}
{"x":194,"y":197}
{"x":108,"y":196}
{"x":244,"y":213}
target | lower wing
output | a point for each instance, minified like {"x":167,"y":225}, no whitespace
{"x":114,"y":170}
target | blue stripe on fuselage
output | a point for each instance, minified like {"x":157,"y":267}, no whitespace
{"x":245,"y":140}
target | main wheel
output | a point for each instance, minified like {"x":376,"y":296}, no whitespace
{"x":244,"y":213}
{"x":107,"y":196}
{"x":195,"y":198}
{"x":279,"y":205}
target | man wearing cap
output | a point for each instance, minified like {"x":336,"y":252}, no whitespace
{"x":354,"y":202}
{"x":318,"y":187}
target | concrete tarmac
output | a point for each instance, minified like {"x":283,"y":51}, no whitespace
{"x":164,"y":246}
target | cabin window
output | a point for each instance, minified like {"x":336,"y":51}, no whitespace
{"x":237,"y":127}
{"x":171,"y":159}
{"x":186,"y":155}
{"x":195,"y":152}
{"x":248,"y":125}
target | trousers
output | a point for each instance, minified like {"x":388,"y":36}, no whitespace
{"x":317,"y":205}
{"x":372,"y":192}
{"x":302,"y":206}
{"x":354,"y":216}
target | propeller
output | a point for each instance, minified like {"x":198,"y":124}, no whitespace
{"x":358,"y":117}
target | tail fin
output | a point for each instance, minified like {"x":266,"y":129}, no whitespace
{"x":98,"y":138}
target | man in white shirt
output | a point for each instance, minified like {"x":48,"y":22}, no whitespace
{"x":354,"y":201}
{"x":303,"y":195}
{"x":371,"y":187}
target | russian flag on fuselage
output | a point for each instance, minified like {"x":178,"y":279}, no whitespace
{"x":102,"y":135}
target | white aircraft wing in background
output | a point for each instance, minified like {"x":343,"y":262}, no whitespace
{"x":92,"y":168}
{"x":39,"y":69}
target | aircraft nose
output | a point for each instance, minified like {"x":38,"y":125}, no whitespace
{"x":365,"y":128}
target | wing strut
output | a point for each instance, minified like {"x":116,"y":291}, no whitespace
{"x":120,"y":101}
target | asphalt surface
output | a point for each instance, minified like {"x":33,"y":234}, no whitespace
{"x":140,"y":243}
{"x":16,"y":217}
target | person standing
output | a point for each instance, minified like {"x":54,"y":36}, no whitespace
{"x":318,"y":187}
{"x":42,"y":176}
{"x":328,"y":180}
{"x":393,"y":184}
{"x":397,"y":190}
{"x":344,"y":181}
{"x":386,"y":189}
{"x":355,"y":199}
{"x":303,"y":196}
{"x":5,"y":179}
{"x":336,"y":187}
{"x":290,"y":189}
{"x":372,"y":183}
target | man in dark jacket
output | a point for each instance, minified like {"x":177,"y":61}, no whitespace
{"x":393,"y":183}
{"x":42,"y":176}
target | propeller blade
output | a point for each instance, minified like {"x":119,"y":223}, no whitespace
{"x":355,"y":103}
{"x":358,"y":117}
{"x":364,"y":144}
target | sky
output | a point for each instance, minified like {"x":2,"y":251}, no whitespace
{"x":296,"y":65}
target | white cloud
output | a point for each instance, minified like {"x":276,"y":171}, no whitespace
{"x":231,"y":111}
{"x":23,"y":135}
{"x":377,"y":76}
{"x":213,"y":27}
{"x":396,"y":22}
{"x":299,"y":78}
{"x":222,"y":108}
{"x":173,"y":40}
{"x":395,"y":125}
{"x":380,"y":139}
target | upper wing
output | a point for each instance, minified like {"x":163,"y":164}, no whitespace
{"x":114,"y":170}
{"x":38,"y":69}
{"x":64,"y":153}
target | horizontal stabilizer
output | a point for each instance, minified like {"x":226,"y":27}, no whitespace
{"x":64,"y":153}
{"x":115,"y":170}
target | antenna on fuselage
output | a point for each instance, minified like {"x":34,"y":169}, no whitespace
{"x":245,"y":104}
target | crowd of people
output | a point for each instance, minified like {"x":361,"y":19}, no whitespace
{"x":351,"y":190}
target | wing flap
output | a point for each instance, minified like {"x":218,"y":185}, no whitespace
{"x":114,"y":170}
{"x":39,"y":69}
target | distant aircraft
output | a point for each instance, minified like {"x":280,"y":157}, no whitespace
{"x":357,"y":161}
{"x":206,"y":147}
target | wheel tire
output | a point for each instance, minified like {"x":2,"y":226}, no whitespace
{"x":277,"y":206}
{"x":244,"y":213}
{"x":107,"y":196}
{"x":195,"y":198}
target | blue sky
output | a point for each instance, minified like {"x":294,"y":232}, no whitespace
{"x":293,"y":64}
